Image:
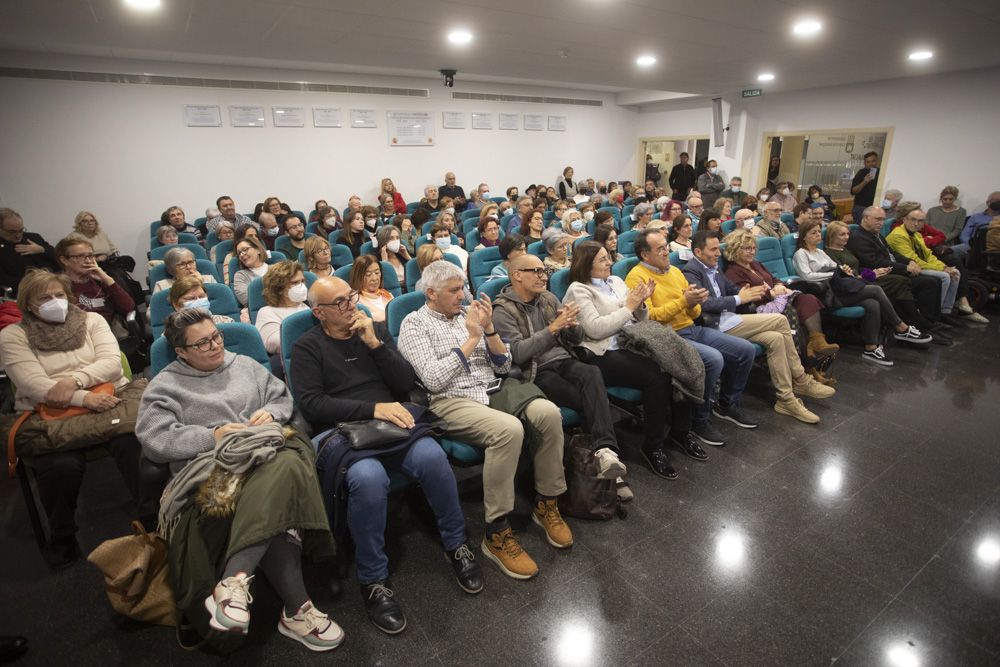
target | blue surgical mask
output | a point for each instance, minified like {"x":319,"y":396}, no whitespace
{"x":444,"y":243}
{"x":198,"y":303}
{"x":576,"y":225}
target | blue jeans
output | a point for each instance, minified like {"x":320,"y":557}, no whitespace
{"x":723,"y":355}
{"x":368,"y":489}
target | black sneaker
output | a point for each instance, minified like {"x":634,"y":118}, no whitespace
{"x":659,"y":463}
{"x":707,"y":434}
{"x":691,"y":448}
{"x":382,"y":609}
{"x":877,"y":356}
{"x":733,"y":414}
{"x":912,"y":335}
{"x":467,"y":570}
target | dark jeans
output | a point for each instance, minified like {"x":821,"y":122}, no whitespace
{"x":622,"y":368}
{"x":573,"y":384}
{"x":59,"y":476}
{"x":927,"y":295}
{"x":368,"y":489}
{"x":726,"y":357}
{"x":878,"y":309}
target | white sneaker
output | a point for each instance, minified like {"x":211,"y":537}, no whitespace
{"x":228,"y":605}
{"x":609,"y":466}
{"x":311,"y":628}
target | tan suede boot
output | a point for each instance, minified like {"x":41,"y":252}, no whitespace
{"x":819,"y":347}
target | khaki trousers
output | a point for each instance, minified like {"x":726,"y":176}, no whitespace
{"x":773,"y":333}
{"x":502,"y":435}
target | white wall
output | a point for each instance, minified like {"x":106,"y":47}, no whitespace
{"x":945,"y":130}
{"x":123,"y":151}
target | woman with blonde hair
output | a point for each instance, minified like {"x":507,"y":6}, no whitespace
{"x":317,"y":255}
{"x":189,"y":292}
{"x":85,"y":226}
{"x":366,"y":280}
{"x":389,"y":188}
{"x":252,"y":256}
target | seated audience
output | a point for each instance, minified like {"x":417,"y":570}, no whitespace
{"x":606,"y":307}
{"x":671,"y":210}
{"x":389,"y":188}
{"x":179,"y":262}
{"x":456,"y":353}
{"x":386,"y":210}
{"x":242,"y":233}
{"x":270,"y":230}
{"x":441,"y":236}
{"x":227,"y":211}
{"x":295,"y":230}
{"x":489,"y":232}
{"x":695,"y":207}
{"x":317,"y":256}
{"x":745,"y":219}
{"x":681,"y":231}
{"x":711,"y":223}
{"x":816,"y":196}
{"x":724,"y":205}
{"x":224,"y":232}
{"x":366,"y":280}
{"x":189,"y":292}
{"x":21,"y":251}
{"x":447,"y":219}
{"x":456,"y":192}
{"x":347,"y":369}
{"x":557,"y":248}
{"x":86,"y":227}
{"x":532,"y":228}
{"x":285,"y":293}
{"x":523,"y":207}
{"x":606,"y":235}
{"x":642,"y":215}
{"x":272,"y":205}
{"x":354,"y":235}
{"x":770,"y":224}
{"x":762,"y":195}
{"x":573,"y":225}
{"x":388,"y":247}
{"x":511,"y":247}
{"x":329,"y":221}
{"x":802,"y":213}
{"x":58,"y":355}
{"x":253,"y":264}
{"x":317,"y":206}
{"x":279,"y":517}
{"x":677,"y":304}
{"x":789,"y":378}
{"x":784,"y":196}
{"x":167,"y":235}
{"x":993,"y":235}
{"x":815,"y":266}
{"x":95,"y":290}
{"x":174,"y":217}
{"x":353,"y":204}
{"x":890,"y":200}
{"x":408,"y":232}
{"x":430,"y":203}
{"x":371,"y":218}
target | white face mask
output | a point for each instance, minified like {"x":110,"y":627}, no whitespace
{"x":54,"y":311}
{"x":734,"y":188}
{"x":785,"y":191}
{"x":444,"y":243}
{"x":273,"y":231}
{"x":392,"y":246}
{"x":763,"y":197}
{"x":486,"y":195}
{"x":298,"y":293}
{"x":714,"y":171}
{"x":748,"y":223}
{"x":450,"y":210}
{"x":588,"y":215}
{"x":887,"y":203}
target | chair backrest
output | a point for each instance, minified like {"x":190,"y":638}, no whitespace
{"x":334,"y":235}
{"x":626,"y":243}
{"x":493,"y":286}
{"x":887,"y":227}
{"x":366,"y":248}
{"x":675,"y":260}
{"x":222,"y":248}
{"x":412,"y":206}
{"x":399,"y":308}
{"x":255,"y":294}
{"x":412,"y":271}
{"x":769,"y":254}
{"x":311,"y":227}
{"x":498,"y":200}
{"x":153,"y":226}
{"x":481,"y":262}
{"x":221,"y":301}
{"x":787,"y":218}
{"x":211,"y":240}
{"x":426,"y":229}
{"x":613,"y":210}
{"x":728,"y":227}
{"x":182,"y":238}
{"x":284,"y":244}
{"x":273,"y":258}
{"x":205,"y":268}
{"x":537,"y":248}
{"x":239,"y":338}
{"x":787,"y":243}
{"x":623,"y":266}
{"x":196,"y":250}
{"x":559,"y":283}
{"x":469,"y":224}
{"x":470,"y":214}
{"x":626,"y":211}
{"x":340,"y":255}
{"x":292,"y":328}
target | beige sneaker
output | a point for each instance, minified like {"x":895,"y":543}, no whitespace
{"x":547,"y":516}
{"x":311,"y":628}
{"x":794,"y":407}
{"x":503,"y":549}
{"x":609,"y":466}
{"x":229,"y":604}
{"x":809,"y":387}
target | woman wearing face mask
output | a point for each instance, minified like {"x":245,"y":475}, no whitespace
{"x":532,"y":228}
{"x":447,"y":218}
{"x":329,"y":220}
{"x":366,"y":280}
{"x":408,"y":232}
{"x":56,"y":355}
{"x":390,"y":249}
{"x":512,"y":193}
{"x":588,"y":211}
{"x":253,"y":264}
{"x":285,"y":294}
{"x":785,"y":196}
{"x":816,"y":195}
{"x":441,"y":236}
{"x":573,"y":224}
{"x":557,"y":246}
{"x":354,"y":235}
{"x":750,"y":203}
{"x":371,"y":217}
{"x":763,"y":195}
{"x":389,"y":188}
{"x":189,"y":292}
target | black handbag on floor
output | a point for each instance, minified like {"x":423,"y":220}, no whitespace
{"x":587,"y":496}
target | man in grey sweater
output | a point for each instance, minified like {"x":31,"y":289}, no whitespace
{"x":540,"y":332}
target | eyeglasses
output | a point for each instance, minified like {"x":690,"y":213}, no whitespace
{"x":86,"y":256}
{"x":187,"y":265}
{"x":206,"y":344}
{"x":661,"y":250}
{"x":538,"y":271}
{"x":342,"y":303}
{"x":243,"y":251}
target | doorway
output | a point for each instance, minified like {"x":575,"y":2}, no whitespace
{"x":665,"y":153}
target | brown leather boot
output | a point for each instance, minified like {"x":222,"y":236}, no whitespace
{"x":818,"y":375}
{"x":818,"y":346}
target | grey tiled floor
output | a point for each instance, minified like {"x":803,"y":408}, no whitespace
{"x":871,"y":539}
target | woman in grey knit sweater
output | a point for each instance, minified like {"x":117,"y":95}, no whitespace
{"x":270,"y":515}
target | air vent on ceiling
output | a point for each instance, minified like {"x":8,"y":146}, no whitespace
{"x":489,"y":97}
{"x":155,"y":80}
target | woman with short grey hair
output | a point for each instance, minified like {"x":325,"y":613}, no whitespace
{"x":557,"y":250}
{"x":179,"y":262}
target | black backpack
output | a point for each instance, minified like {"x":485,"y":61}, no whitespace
{"x":587,"y":497}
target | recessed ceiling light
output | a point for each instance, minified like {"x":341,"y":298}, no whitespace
{"x":143,"y":5}
{"x":460,"y":37}
{"x":921,"y":55}
{"x":766,"y":76}
{"x":807,"y":27}
{"x":645,"y":61}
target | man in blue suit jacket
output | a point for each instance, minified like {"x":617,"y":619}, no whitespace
{"x":770,"y":330}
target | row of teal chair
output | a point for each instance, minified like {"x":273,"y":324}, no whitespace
{"x":221,"y":300}
{"x":196,"y":250}
{"x":183,"y":237}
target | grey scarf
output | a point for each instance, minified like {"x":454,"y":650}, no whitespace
{"x":671,"y":352}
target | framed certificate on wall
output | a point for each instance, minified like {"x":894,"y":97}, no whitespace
{"x":244,"y":116}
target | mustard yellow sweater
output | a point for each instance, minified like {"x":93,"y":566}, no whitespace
{"x":667,"y":305}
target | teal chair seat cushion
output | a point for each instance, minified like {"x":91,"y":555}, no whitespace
{"x":570,"y":417}
{"x":626,"y":394}
{"x":462,"y":453}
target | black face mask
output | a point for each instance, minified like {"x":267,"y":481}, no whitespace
{"x":995,"y":206}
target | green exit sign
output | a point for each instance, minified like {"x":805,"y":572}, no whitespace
{"x":753,"y":92}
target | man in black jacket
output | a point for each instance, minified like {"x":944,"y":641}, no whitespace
{"x":681,"y":178}
{"x":348,"y":369}
{"x":873,"y":252}
{"x":21,"y":250}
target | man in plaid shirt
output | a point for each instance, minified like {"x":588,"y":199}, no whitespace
{"x":457,"y":355}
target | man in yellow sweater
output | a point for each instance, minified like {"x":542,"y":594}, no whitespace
{"x":678,"y":304}
{"x":906,"y":241}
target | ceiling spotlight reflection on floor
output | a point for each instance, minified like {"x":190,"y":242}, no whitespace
{"x":807,"y":28}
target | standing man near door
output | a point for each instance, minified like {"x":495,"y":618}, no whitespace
{"x":864,"y":184}
{"x":681,"y":178}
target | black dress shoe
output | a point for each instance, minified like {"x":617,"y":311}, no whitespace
{"x":382,"y":609}
{"x":11,"y":647}
{"x":659,"y":463}
{"x":61,"y":552}
{"x":952,"y":321}
{"x":691,"y":447}
{"x":938,"y":337}
{"x":467,"y":570}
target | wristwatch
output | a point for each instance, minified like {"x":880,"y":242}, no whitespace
{"x":79,"y":383}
